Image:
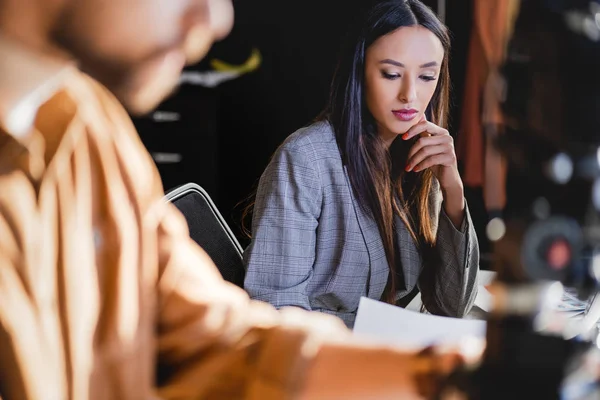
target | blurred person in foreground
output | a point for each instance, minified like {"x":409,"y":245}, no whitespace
{"x":102,"y":293}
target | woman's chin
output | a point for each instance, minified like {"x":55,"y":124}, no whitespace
{"x":400,"y":127}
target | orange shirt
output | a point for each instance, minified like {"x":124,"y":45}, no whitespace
{"x":99,"y":281}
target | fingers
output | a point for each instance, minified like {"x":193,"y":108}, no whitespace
{"x":424,"y":127}
{"x":415,"y":130}
{"x":431,"y":161}
{"x":426,"y":141}
{"x":430,"y":151}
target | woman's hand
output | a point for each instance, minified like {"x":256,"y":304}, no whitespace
{"x":435,"y":149}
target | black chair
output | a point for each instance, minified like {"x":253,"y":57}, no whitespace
{"x":209,"y":230}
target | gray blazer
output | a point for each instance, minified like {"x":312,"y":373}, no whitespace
{"x":314,"y":247}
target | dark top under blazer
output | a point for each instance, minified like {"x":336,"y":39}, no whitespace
{"x":314,"y":247}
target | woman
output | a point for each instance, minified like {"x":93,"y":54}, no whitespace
{"x":352,"y":205}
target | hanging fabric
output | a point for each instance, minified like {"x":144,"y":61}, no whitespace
{"x":481,"y":116}
{"x":492,"y":26}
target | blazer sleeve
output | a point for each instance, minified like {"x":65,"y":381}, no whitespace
{"x":448,"y":283}
{"x":280,"y":257}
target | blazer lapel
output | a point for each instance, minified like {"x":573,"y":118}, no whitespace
{"x":378,"y":266}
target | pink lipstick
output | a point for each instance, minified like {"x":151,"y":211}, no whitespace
{"x":405,"y":115}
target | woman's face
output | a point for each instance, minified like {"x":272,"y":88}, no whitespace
{"x":401,"y":74}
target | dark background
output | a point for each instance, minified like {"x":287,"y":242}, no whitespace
{"x":226,"y":135}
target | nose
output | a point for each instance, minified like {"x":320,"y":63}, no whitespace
{"x":221,"y":17}
{"x":205,"y":22}
{"x":408,"y":90}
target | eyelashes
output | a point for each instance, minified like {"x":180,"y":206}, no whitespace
{"x":393,"y":77}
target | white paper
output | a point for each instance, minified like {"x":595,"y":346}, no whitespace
{"x":393,"y":325}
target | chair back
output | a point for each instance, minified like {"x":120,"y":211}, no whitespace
{"x":209,"y":229}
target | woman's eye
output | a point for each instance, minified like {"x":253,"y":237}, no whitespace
{"x":391,"y":77}
{"x":428,"y":78}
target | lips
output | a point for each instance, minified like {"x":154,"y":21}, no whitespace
{"x":405,"y":114}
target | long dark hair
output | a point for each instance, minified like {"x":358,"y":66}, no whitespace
{"x":380,"y":184}
{"x":376,"y":181}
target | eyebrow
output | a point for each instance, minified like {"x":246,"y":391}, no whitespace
{"x":399,"y":64}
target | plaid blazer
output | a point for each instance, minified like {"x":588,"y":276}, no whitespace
{"x":314,"y":247}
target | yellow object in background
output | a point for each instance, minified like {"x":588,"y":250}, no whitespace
{"x":251,"y":64}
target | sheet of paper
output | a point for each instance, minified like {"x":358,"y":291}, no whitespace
{"x":392,"y":325}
